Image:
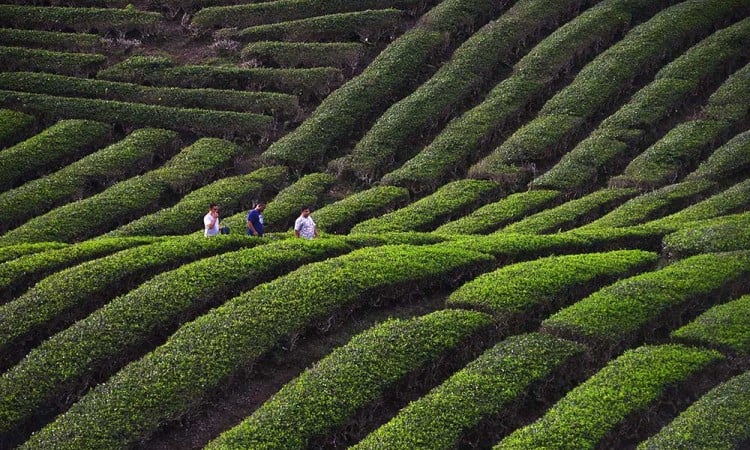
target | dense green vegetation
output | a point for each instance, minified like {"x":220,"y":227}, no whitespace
{"x":534,"y":224}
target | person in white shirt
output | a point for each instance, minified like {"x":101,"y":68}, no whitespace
{"x":304,"y":226}
{"x":211,"y":221}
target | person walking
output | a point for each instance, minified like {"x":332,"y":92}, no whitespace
{"x":211,"y":221}
{"x":304,"y":226}
{"x":255,"y":220}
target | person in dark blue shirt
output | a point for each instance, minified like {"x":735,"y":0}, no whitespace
{"x":255,"y":220}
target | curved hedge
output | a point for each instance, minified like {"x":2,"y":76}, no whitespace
{"x":730,"y":160}
{"x":451,"y":200}
{"x":11,"y":252}
{"x":26,"y":269}
{"x":732,"y":200}
{"x":386,"y":78}
{"x":199,"y":121}
{"x":14,"y":125}
{"x":619,"y":136}
{"x":50,"y":40}
{"x":162,"y":71}
{"x":75,"y":290}
{"x":367,"y":26}
{"x":571,"y":213}
{"x":716,"y":421}
{"x":463,"y":139}
{"x":618,"y":313}
{"x":19,"y":59}
{"x":717,"y":235}
{"x":344,"y":55}
{"x":725,"y":326}
{"x":482,"y":389}
{"x":57,"y":145}
{"x":125,"y":324}
{"x":272,"y":103}
{"x":232,"y":194}
{"x":285,"y":10}
{"x":349,"y":378}
{"x":126,"y":200}
{"x":78,"y":19}
{"x":627,"y":384}
{"x":481,"y":58}
{"x":495,"y":215}
{"x":544,"y":284}
{"x":600,"y":84}
{"x":655,"y":204}
{"x":340,"y":216}
{"x":137,"y":400}
{"x":118,"y":161}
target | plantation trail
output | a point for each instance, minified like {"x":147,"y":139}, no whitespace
{"x":531,"y":224}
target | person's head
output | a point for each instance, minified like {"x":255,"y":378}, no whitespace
{"x":305,"y":211}
{"x":213,"y":207}
{"x":260,"y":206}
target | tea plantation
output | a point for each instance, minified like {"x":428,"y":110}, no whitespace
{"x":533,"y":217}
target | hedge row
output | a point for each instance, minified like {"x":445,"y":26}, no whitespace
{"x":451,"y":200}
{"x":79,"y":19}
{"x":571,"y":213}
{"x":273,"y":103}
{"x":14,"y":125}
{"x":673,"y":156}
{"x":617,"y":138}
{"x":730,"y":160}
{"x":122,"y":202}
{"x":11,"y":252}
{"x":127,"y":322}
{"x":67,"y":295}
{"x":626,"y":385}
{"x":350,"y":378}
{"x":478,"y":60}
{"x":731,"y":102}
{"x":344,"y":55}
{"x":528,"y":288}
{"x":138,"y":399}
{"x":58,"y":145}
{"x":602,"y":83}
{"x":50,"y":40}
{"x":386,"y":78}
{"x":116,"y":162}
{"x":200,"y":121}
{"x":366,"y":26}
{"x":490,"y":217}
{"x":285,"y":10}
{"x":340,"y":216}
{"x":616,"y":314}
{"x":285,"y":207}
{"x":482,"y":389}
{"x":162,"y":71}
{"x":690,"y":142}
{"x":27,"y":269}
{"x":655,"y":204}
{"x":734,"y":199}
{"x":716,"y":421}
{"x":726,"y":326}
{"x":232,"y":194}
{"x":463,"y":139}
{"x":718,"y":235}
{"x":19,"y":59}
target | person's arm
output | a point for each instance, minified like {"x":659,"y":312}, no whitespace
{"x":210,"y":223}
{"x":297,"y":227}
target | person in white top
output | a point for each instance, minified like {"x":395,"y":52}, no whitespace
{"x":211,"y":221}
{"x":304,"y":226}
